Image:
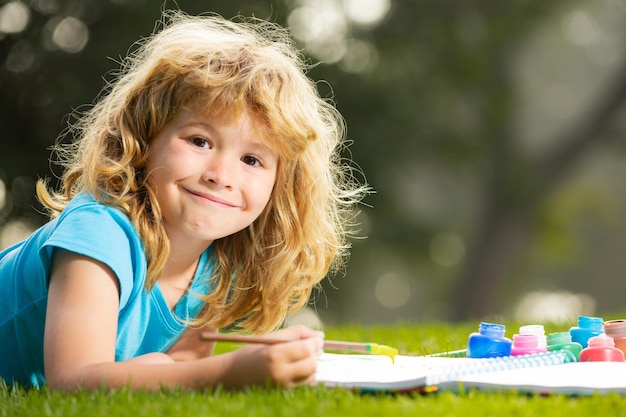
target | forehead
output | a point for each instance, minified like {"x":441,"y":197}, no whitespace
{"x":264,"y":134}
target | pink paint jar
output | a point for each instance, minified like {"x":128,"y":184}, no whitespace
{"x":524,"y":344}
{"x":617,"y":330}
{"x":601,"y":349}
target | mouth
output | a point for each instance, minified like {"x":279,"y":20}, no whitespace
{"x":212,"y":199}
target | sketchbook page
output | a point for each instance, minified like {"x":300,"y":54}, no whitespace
{"x":578,"y":378}
{"x":367,"y":372}
{"x":375,"y":372}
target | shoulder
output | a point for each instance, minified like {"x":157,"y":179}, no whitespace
{"x":103,"y":233}
{"x":88,"y":218}
{"x":85,"y":206}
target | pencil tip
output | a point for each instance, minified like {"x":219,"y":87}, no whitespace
{"x":386,"y":351}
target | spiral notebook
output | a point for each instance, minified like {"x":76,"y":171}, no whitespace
{"x":545,"y":373}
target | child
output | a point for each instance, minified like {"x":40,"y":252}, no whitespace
{"x":205,"y":191}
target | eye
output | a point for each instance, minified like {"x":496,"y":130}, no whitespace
{"x":200,"y":142}
{"x":251,"y":160}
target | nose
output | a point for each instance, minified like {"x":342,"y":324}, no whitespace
{"x":221,"y":170}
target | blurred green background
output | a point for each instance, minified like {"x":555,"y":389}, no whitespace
{"x":493,"y":132}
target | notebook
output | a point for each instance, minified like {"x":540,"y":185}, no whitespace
{"x":545,"y":373}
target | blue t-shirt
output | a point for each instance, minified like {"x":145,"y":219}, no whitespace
{"x":87,"y":227}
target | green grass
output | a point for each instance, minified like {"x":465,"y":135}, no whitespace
{"x":319,"y":401}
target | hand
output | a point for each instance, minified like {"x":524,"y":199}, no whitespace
{"x":286,"y":364}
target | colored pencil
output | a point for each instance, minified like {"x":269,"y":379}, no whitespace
{"x":366,"y":348}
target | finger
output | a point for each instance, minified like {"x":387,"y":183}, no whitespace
{"x":298,"y":349}
{"x":304,"y":371}
{"x":298,"y":372}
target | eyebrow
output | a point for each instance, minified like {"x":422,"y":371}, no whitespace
{"x":209,"y":127}
{"x":196,"y":123}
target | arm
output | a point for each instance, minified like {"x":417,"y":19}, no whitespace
{"x":190,"y":347}
{"x":79,"y":343}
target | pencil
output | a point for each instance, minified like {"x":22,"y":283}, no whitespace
{"x":366,"y":348}
{"x":462,"y":353}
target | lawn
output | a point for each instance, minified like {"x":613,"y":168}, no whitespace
{"x":314,"y":401}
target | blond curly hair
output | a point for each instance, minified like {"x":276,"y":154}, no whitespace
{"x":221,"y":67}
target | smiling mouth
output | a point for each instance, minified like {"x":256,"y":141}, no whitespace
{"x":212,"y":199}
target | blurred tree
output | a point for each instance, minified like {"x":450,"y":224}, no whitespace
{"x":444,"y":95}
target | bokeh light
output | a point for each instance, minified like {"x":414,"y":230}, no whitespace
{"x":554,"y":306}
{"x":323,"y":26}
{"x":366,"y":12}
{"x":392,"y":290}
{"x":13,"y":232}
{"x":68,"y":34}
{"x":14,"y":17}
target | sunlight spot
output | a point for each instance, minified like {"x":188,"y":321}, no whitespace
{"x":447,"y":249}
{"x":392,"y":291}
{"x":318,"y":21}
{"x":322,"y":27}
{"x":329,"y":51}
{"x":360,"y":56}
{"x":307,"y":317}
{"x":13,"y":232}
{"x":579,"y":28}
{"x":554,"y":306}
{"x":366,"y":12}
{"x":14,"y":17}
{"x":68,"y":34}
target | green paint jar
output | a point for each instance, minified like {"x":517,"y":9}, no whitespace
{"x":563,"y":341}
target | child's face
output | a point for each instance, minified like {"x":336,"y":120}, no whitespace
{"x":212,"y":178}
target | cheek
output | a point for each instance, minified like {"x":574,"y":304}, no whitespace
{"x":159,"y":178}
{"x":270,"y":188}
{"x":154,"y":177}
{"x":264,"y":194}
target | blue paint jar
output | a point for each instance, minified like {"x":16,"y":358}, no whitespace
{"x":489,"y":342}
{"x":587,"y":327}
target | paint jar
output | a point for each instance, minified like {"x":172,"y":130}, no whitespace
{"x":563,"y":341}
{"x":536,"y":329}
{"x":587,"y":327}
{"x":617,"y":330}
{"x":526,"y":344}
{"x":601,"y":349}
{"x":489,"y":342}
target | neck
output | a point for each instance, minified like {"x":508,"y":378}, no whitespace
{"x":180,"y":268}
{"x":184,"y":252}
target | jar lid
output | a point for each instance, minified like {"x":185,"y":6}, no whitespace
{"x":615,"y":328}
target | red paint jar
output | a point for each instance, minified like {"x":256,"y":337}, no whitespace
{"x":601,"y":349}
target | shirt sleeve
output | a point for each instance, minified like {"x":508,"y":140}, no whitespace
{"x":107,"y":236}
